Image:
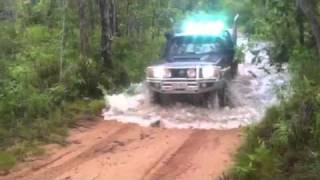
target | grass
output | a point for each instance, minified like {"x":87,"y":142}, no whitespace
{"x":7,"y":161}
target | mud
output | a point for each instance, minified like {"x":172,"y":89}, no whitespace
{"x":112,"y":150}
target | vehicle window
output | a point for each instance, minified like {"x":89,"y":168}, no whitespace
{"x":196,"y":46}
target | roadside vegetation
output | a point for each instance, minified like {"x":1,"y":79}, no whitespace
{"x":286,"y":145}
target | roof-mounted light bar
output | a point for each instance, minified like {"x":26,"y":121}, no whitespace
{"x":208,"y":28}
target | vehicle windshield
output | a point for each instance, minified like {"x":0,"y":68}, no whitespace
{"x":190,"y":45}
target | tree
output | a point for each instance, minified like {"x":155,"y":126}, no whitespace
{"x":63,"y":39}
{"x":106,"y":31}
{"x":309,"y":8}
{"x":84,"y":28}
{"x":113,"y":17}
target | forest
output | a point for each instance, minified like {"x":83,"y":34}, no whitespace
{"x":59,"y":57}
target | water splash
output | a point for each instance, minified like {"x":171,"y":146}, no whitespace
{"x":251,"y":93}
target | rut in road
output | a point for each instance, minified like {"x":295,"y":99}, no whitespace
{"x":180,"y":160}
{"x":105,"y":145}
{"x":129,"y":151}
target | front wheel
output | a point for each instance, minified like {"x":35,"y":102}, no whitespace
{"x":211,"y":99}
{"x":165,"y":99}
{"x":161,"y":99}
{"x":154,"y":97}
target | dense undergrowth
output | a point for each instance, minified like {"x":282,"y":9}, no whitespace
{"x":36,"y":105}
{"x":45,"y":84}
{"x":286,"y":144}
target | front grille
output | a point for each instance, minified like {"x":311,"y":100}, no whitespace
{"x":200,"y":73}
{"x":179,"y":73}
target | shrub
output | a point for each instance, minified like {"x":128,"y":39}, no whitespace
{"x":286,"y":142}
{"x":96,"y":106}
{"x":7,"y":161}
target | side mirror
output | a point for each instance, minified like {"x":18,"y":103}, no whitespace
{"x":235,"y":29}
{"x":236,"y":18}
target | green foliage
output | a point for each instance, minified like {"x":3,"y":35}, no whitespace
{"x":135,"y":56}
{"x":24,"y":150}
{"x":84,"y":108}
{"x":255,"y":159}
{"x":240,"y":55}
{"x":289,"y":132}
{"x":288,"y":137}
{"x":259,"y":164}
{"x":7,"y":161}
{"x":96,"y":106}
{"x":8,"y":43}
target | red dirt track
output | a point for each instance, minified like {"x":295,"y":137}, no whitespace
{"x":110,"y":150}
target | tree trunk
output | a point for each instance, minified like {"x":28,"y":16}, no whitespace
{"x":92,"y":15}
{"x":63,"y":40}
{"x":309,"y":8}
{"x":113,"y":17}
{"x":106,"y":32}
{"x":84,"y":29}
{"x":50,"y":13}
{"x":300,"y":24}
{"x":128,"y":18}
{"x":153,"y":22}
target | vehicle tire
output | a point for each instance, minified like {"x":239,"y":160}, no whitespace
{"x":165,"y":99}
{"x":155,"y":97}
{"x":222,"y":97}
{"x":195,"y":99}
{"x":211,"y":99}
{"x":203,"y":100}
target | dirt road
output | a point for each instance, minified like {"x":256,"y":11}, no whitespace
{"x":112,"y":150}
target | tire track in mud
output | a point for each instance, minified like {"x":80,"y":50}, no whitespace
{"x":140,"y":157}
{"x":106,"y":145}
{"x":156,"y":163}
{"x":167,"y":154}
{"x":129,"y":151}
{"x":180,"y":160}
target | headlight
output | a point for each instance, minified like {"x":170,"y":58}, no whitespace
{"x":158,"y":72}
{"x":192,"y":73}
{"x":210,"y":72}
{"x":150,"y":73}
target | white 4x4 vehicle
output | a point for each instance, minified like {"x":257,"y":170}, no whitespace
{"x":194,"y":64}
